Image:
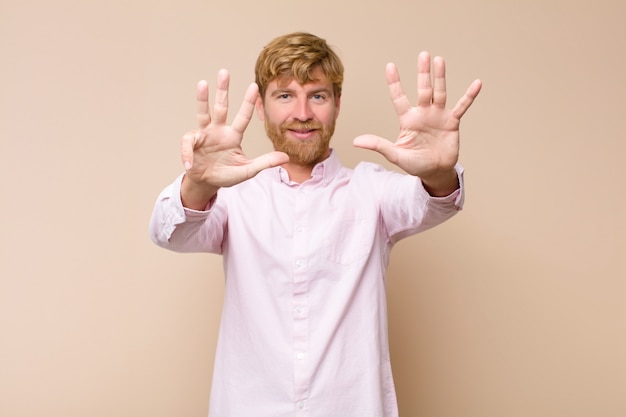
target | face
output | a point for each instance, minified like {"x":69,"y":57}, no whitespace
{"x":300,"y":118}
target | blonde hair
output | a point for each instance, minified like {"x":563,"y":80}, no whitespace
{"x":295,"y":56}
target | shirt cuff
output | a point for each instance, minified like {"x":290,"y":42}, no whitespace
{"x":458,"y":195}
{"x":191,"y":215}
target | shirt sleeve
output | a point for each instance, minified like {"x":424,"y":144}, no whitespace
{"x":181,"y":229}
{"x":407,"y":208}
{"x":457,"y":197}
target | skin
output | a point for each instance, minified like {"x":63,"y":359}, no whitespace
{"x":307,"y":113}
{"x":427,"y":145}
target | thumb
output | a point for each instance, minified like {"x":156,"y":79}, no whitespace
{"x":268,"y":160}
{"x":378,"y":144}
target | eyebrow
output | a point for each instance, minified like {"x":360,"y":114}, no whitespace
{"x":280,"y":91}
{"x":322,"y":90}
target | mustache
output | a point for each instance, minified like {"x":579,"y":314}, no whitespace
{"x":302,"y":126}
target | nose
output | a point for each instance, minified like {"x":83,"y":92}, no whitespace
{"x":302,"y":111}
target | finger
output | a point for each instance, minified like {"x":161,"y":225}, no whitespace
{"x":439,"y":82}
{"x":424,"y":85}
{"x":202,"y":97}
{"x":187,"y":144}
{"x":220,"y":108}
{"x":378,"y":144}
{"x":265,"y":161}
{"x":399,"y":99}
{"x":243,"y":117}
{"x":466,"y":101}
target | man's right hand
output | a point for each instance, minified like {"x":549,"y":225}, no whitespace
{"x":212,"y":155}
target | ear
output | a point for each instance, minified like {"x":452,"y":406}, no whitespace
{"x":260,"y":110}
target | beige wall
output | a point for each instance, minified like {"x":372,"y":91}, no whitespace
{"x":514,"y":308}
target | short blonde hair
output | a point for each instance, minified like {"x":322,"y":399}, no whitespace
{"x":295,"y":56}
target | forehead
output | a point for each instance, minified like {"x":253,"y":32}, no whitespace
{"x":319,"y":80}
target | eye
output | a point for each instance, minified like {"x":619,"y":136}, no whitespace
{"x":319,"y":97}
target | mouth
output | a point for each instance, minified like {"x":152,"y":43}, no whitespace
{"x":302,"y":134}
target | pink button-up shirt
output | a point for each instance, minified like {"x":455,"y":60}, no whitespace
{"x":304,"y":322}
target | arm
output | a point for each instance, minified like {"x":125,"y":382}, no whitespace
{"x":213,"y":158}
{"x":180,"y":229}
{"x":428,"y":143}
{"x":212,"y":155}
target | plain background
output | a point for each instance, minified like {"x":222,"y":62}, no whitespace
{"x":514,"y":308}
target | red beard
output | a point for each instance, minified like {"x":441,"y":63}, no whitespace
{"x":301,"y":152}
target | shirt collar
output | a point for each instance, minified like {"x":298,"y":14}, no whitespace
{"x":323,"y":171}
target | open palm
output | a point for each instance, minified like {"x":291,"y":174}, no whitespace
{"x":212,"y":154}
{"x":428,"y":140}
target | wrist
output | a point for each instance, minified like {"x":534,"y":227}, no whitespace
{"x":441,"y":184}
{"x":196,"y":196}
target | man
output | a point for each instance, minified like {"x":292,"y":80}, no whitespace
{"x":306,"y":241}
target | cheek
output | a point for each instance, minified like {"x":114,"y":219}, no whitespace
{"x":328,"y":114}
{"x":329,"y":118}
{"x":276,"y":116}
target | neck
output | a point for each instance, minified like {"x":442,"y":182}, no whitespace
{"x":298,"y":173}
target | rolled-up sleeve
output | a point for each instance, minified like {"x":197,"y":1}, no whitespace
{"x":408,"y":209}
{"x":180,"y":229}
{"x":457,"y":198}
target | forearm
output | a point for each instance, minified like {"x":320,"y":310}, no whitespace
{"x":441,"y":184}
{"x":181,"y":229}
{"x":441,"y":208}
{"x":196,"y":196}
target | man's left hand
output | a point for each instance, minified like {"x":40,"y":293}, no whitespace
{"x":428,"y":143}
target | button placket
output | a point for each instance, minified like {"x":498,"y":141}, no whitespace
{"x":299,"y":300}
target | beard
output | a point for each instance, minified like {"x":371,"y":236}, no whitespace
{"x":301,"y":152}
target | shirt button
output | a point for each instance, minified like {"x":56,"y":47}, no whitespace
{"x":300,"y":263}
{"x":300,"y":356}
{"x":300,"y":405}
{"x":299,"y":310}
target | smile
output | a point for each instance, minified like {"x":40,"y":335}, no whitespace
{"x":303,"y":134}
